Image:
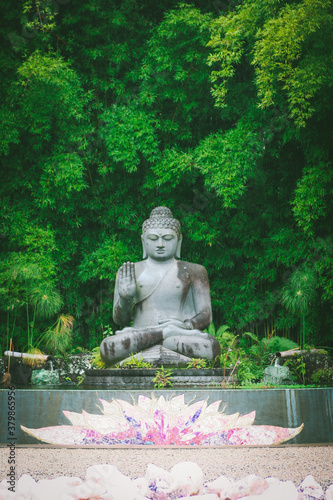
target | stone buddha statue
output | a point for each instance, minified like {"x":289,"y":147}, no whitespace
{"x":167,"y":299}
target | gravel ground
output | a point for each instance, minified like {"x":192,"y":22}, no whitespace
{"x":291,"y":462}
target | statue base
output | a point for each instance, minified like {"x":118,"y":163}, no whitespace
{"x":159,"y":356}
{"x":142,"y":378}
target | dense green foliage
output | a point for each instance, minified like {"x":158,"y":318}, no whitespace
{"x":221,"y":111}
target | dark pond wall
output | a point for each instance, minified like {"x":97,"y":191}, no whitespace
{"x":36,"y":408}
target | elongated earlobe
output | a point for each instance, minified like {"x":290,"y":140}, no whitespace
{"x":179,"y":246}
{"x":144,"y":251}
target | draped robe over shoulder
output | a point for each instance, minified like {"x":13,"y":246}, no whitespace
{"x":179,"y":291}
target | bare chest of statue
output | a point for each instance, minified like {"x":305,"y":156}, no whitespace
{"x":161,"y":295}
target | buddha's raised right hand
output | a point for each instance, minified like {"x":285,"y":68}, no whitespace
{"x":127,"y":281}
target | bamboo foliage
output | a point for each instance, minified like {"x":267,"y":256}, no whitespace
{"x":109,"y":109}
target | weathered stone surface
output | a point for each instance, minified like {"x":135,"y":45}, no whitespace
{"x":44,"y":377}
{"x":168,"y":300}
{"x":277,"y":375}
{"x":3,"y":366}
{"x":315,"y":361}
{"x":143,"y":377}
{"x":75,"y":364}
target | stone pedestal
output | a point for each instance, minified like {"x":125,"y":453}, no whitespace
{"x":140,"y":378}
{"x":160,"y":356}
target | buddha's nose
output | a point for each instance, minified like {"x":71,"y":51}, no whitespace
{"x":160,"y":243}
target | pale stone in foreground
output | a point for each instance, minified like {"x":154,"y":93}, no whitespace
{"x":5,"y":494}
{"x":113,"y":482}
{"x":284,"y":490}
{"x":208,"y":496}
{"x":329,"y":493}
{"x":25,"y":486}
{"x":310,"y":489}
{"x":185,"y":481}
{"x":249,"y":485}
{"x":186,"y":478}
{"x":157,"y":483}
{"x":220,"y":486}
{"x":53,"y":489}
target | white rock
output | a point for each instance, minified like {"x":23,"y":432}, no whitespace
{"x":154,"y":472}
{"x":329,"y":493}
{"x":113,"y":481}
{"x":208,"y":496}
{"x":4,"y":492}
{"x":7,"y":495}
{"x":3,"y":484}
{"x":140,"y":482}
{"x":220,"y":486}
{"x":272,"y":481}
{"x":86,"y":490}
{"x":311,"y":489}
{"x":284,"y":490}
{"x":100,"y":472}
{"x":249,"y":485}
{"x":158,"y":483}
{"x":54,"y":489}
{"x":186,"y":479}
{"x":25,"y":486}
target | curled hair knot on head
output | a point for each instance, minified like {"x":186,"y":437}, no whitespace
{"x":161,"y":217}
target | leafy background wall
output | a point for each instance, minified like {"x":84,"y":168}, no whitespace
{"x":220,"y":110}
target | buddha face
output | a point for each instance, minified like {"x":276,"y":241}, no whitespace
{"x":160,"y":244}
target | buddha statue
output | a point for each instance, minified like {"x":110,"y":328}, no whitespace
{"x":167,"y":299}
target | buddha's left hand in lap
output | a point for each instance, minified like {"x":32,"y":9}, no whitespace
{"x":174,"y":327}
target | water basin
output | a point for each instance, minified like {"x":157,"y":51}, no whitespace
{"x":43,"y":407}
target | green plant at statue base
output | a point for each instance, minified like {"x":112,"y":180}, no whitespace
{"x":107,"y":332}
{"x":197,"y":363}
{"x":80,"y":379}
{"x":163,"y":378}
{"x":96,"y":359}
{"x":230,"y":351}
{"x":134,"y":362}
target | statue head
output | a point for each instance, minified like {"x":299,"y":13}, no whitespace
{"x":163,"y":232}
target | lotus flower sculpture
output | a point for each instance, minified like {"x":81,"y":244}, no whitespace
{"x":162,"y":422}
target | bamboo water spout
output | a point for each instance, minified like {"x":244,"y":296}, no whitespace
{"x":25,"y":355}
{"x":298,"y":352}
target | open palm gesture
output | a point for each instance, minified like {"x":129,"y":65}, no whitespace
{"x":127,"y":281}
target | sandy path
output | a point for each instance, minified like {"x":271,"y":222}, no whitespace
{"x":291,"y":462}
